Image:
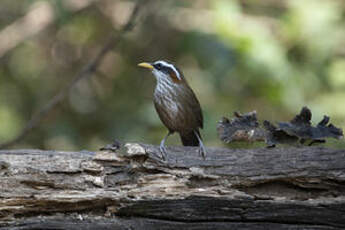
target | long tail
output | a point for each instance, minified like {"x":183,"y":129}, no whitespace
{"x":189,"y":138}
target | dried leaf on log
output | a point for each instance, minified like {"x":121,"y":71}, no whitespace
{"x":112,"y":147}
{"x":245,"y":127}
{"x":301,"y":127}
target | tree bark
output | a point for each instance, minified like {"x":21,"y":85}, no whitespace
{"x":279,"y":188}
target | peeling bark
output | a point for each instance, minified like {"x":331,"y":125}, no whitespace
{"x":281,"y":188}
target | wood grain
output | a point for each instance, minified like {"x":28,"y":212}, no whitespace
{"x":280,"y":188}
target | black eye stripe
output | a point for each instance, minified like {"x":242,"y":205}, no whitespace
{"x":167,"y":68}
{"x":163,"y":68}
{"x":158,"y":66}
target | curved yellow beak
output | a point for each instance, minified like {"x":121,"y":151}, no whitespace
{"x":146,"y":65}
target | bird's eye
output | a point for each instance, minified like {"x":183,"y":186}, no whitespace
{"x":158,"y":66}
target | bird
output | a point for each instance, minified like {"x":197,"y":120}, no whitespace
{"x":177,"y":106}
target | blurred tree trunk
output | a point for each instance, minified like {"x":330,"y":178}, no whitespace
{"x":280,"y":188}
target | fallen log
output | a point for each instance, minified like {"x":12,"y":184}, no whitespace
{"x":132,"y":188}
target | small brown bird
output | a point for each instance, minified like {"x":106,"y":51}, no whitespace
{"x":177,"y":106}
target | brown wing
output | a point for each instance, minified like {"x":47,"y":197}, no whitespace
{"x":187,"y":114}
{"x":192,"y":103}
{"x":194,"y":107}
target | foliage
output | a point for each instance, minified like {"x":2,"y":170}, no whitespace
{"x":269,"y":56}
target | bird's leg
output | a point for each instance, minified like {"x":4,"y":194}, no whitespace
{"x":202,"y":149}
{"x":162,"y":148}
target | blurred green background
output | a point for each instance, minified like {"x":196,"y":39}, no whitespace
{"x":270,"y":56}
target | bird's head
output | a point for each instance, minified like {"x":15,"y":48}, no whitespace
{"x":164,"y":71}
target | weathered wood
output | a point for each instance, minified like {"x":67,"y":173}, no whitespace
{"x":280,"y":188}
{"x":45,"y":223}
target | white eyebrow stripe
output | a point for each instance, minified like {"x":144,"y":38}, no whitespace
{"x":171,"y":66}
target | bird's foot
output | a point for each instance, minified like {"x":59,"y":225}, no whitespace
{"x":163,"y":151}
{"x":202,"y":150}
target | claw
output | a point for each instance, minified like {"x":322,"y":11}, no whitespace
{"x":202,"y":151}
{"x":162,"y":148}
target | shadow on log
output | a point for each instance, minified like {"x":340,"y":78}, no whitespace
{"x":280,"y":188}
